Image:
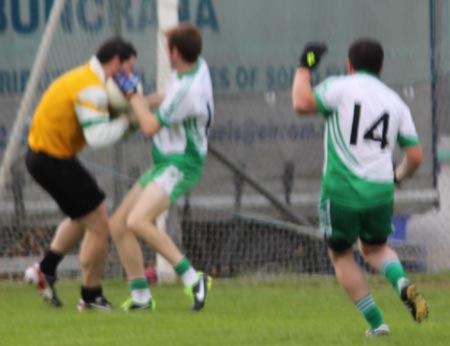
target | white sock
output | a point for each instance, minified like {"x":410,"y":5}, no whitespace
{"x":141,"y":296}
{"x":190,"y":277}
{"x":401,"y":283}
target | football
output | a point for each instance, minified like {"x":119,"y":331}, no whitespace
{"x":118,"y":103}
{"x":31,"y":275}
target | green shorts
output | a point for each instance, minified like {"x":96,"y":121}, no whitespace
{"x":176,"y":181}
{"x":342,"y":226}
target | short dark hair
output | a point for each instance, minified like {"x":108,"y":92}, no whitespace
{"x":187,"y":38}
{"x":115,"y":46}
{"x":366,"y":54}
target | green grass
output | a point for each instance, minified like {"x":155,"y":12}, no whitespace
{"x":308,"y":311}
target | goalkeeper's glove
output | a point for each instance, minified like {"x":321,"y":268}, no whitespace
{"x":127,"y":83}
{"x":312,"y":53}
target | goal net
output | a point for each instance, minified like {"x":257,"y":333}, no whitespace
{"x":254,"y":210}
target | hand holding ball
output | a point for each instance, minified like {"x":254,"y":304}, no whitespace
{"x":118,"y":102}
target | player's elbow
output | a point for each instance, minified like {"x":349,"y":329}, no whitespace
{"x":147,"y":131}
{"x":303,"y":105}
{"x":298,"y":105}
{"x":149,"y":128}
{"x":150,"y":125}
{"x":415,"y":156}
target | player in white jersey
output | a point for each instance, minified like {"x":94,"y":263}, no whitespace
{"x":364,"y":119}
{"x":180,"y":128}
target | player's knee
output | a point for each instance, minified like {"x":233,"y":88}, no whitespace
{"x":97,"y":221}
{"x":100,"y":228}
{"x":135,"y":224}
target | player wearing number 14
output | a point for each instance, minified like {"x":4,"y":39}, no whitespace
{"x":364,"y":120}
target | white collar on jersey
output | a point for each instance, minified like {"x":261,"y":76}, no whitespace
{"x":97,"y":67}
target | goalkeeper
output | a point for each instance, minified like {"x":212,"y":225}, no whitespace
{"x":72,"y":112}
{"x":180,"y":128}
{"x":364,"y":119}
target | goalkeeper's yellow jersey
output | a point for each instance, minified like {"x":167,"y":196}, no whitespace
{"x":56,"y":129}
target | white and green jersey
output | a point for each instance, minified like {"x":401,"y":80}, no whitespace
{"x":364,"y":121}
{"x":185,"y":115}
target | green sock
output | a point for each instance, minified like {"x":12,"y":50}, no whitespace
{"x":138,"y":284}
{"x":393,"y":271}
{"x":370,"y":311}
{"x":182,"y":266}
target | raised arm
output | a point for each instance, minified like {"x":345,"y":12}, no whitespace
{"x":303,"y":100}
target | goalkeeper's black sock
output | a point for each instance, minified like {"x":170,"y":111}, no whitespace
{"x":50,"y":262}
{"x":88,"y":294}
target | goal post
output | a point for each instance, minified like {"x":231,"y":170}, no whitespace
{"x":167,"y":18}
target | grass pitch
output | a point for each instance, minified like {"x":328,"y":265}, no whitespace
{"x":308,"y":311}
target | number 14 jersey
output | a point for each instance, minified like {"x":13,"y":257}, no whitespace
{"x":364,"y":121}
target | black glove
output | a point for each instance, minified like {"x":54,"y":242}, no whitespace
{"x":127,"y":83}
{"x":312,"y":53}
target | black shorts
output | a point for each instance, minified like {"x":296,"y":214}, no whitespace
{"x":67,"y":181}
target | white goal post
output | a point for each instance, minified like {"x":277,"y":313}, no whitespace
{"x":167,"y":18}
